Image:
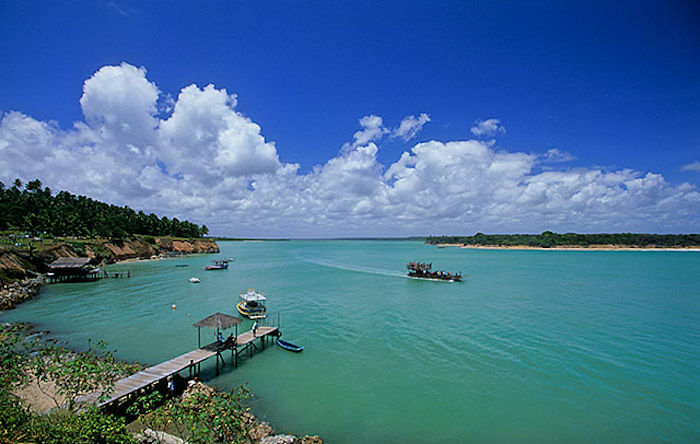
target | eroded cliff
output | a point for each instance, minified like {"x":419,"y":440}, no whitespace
{"x":20,"y":262}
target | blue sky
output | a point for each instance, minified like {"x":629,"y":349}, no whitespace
{"x":570,"y":116}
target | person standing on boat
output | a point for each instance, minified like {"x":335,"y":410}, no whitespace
{"x":255,"y":329}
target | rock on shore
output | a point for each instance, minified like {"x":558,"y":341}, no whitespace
{"x":290,"y":439}
{"x":19,"y":291}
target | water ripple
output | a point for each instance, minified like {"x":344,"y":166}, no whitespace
{"x":535,"y":346}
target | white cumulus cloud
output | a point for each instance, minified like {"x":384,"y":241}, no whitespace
{"x":556,"y":155}
{"x":201,"y":159}
{"x":410,"y":126}
{"x":205,"y":126}
{"x":487,"y":128}
{"x":372,"y":129}
{"x":121,"y":101}
{"x":695,"y":166}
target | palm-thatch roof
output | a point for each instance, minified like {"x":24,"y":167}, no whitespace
{"x":70,"y":262}
{"x":219,"y":321}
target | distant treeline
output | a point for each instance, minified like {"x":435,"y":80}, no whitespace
{"x":550,"y":239}
{"x":35,"y":210}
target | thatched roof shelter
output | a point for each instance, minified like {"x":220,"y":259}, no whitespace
{"x":218,"y":321}
{"x":76,"y":268}
{"x":70,"y":263}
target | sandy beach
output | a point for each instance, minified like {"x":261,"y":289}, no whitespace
{"x":568,"y":248}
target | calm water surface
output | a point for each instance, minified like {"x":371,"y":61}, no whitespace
{"x":535,"y":346}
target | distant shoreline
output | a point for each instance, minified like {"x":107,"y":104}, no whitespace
{"x":570,"y":248}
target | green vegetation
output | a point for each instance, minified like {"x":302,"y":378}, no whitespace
{"x":198,"y":417}
{"x":37,"y":211}
{"x":37,"y":362}
{"x":549,"y":239}
{"x":203,"y":415}
{"x":77,"y":374}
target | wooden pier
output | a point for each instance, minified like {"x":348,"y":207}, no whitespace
{"x":191,"y":361}
{"x":245,"y":341}
{"x":80,"y":269}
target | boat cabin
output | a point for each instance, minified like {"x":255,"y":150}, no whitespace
{"x":252,"y":304}
{"x":421,"y":270}
{"x":217,"y":265}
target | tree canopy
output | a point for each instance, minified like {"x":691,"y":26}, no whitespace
{"x":31,"y":208}
{"x":550,"y":239}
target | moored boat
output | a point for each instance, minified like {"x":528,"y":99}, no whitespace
{"x":289,"y":346}
{"x":194,"y":280}
{"x":252,"y":304}
{"x":218,"y":265}
{"x":421,"y":270}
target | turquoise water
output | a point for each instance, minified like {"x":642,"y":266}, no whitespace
{"x":535,"y":346}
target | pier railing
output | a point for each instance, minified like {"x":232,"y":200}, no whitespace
{"x":87,"y":277}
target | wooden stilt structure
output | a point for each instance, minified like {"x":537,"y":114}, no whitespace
{"x":191,"y":361}
{"x":80,"y":269}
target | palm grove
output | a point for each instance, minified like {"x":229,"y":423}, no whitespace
{"x":36,"y":210}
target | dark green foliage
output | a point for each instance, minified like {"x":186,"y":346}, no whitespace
{"x":14,"y":419}
{"x":11,"y":361}
{"x":198,"y":417}
{"x":11,"y":274}
{"x":78,"y":247}
{"x":77,"y":374}
{"x":550,"y":239}
{"x":74,"y":373}
{"x":201,"y":417}
{"x":88,"y":427}
{"x":35,"y":210}
{"x":145,"y":404}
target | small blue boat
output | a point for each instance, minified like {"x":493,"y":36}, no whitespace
{"x":289,"y":346}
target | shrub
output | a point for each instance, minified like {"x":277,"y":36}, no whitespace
{"x":14,"y":419}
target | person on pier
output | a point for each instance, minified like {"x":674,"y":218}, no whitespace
{"x":171,"y":386}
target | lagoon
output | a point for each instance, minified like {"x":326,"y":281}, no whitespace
{"x":555,"y":346}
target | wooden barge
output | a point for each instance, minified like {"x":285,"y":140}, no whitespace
{"x":421,"y":270}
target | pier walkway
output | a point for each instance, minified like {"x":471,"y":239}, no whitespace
{"x":191,"y":360}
